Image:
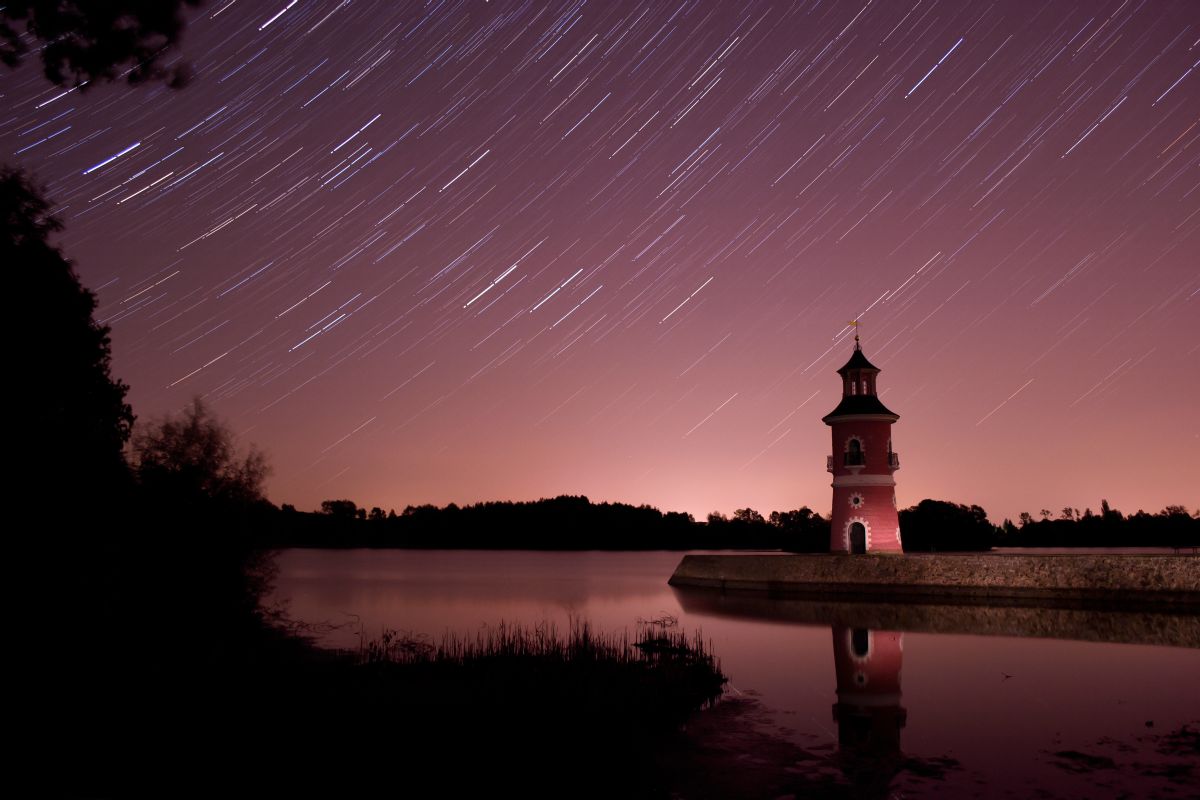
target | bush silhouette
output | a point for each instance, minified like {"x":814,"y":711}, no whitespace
{"x":192,"y":479}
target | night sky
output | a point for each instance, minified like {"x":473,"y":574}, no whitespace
{"x":464,"y":251}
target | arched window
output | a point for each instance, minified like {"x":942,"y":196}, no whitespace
{"x":854,"y":454}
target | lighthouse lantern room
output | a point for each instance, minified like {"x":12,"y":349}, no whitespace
{"x":863,"y":464}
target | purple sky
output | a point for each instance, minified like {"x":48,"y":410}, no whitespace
{"x":465,"y":251}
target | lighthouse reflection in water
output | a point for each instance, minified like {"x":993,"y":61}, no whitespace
{"x":868,"y":712}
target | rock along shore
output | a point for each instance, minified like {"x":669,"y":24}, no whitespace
{"x":1167,"y":581}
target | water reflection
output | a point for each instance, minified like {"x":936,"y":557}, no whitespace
{"x":868,"y":712}
{"x":1160,"y":627}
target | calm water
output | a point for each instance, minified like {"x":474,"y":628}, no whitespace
{"x":870,"y":698}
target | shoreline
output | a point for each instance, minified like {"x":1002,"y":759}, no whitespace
{"x":1092,"y":580}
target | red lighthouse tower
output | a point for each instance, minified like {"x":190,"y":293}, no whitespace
{"x":863,"y":464}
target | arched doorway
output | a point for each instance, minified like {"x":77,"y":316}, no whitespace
{"x":858,"y":538}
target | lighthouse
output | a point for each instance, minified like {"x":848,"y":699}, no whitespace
{"x":863,"y":464}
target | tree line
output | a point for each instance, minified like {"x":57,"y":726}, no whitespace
{"x":566,"y":522}
{"x":575,"y":523}
{"x":1173,"y":526}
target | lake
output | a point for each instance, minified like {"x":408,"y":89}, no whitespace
{"x":850,"y":701}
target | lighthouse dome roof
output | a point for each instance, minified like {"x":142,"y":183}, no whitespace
{"x":857,"y":362}
{"x":860,"y":405}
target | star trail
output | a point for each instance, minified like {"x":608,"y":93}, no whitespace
{"x":458,"y":251}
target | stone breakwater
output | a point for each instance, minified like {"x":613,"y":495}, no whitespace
{"x":1119,"y":580}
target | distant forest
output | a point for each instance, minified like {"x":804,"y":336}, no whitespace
{"x":575,"y":523}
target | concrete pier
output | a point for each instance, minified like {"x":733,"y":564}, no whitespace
{"x":1122,"y":581}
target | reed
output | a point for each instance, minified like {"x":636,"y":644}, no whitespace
{"x":652,"y":642}
{"x":652,"y":679}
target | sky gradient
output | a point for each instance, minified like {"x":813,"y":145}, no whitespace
{"x":468,"y":251}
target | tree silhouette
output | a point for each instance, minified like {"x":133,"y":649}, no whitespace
{"x":75,"y":421}
{"x":194,"y":456}
{"x":748,"y":516}
{"x":941,"y":525}
{"x":344,"y":509}
{"x":192,"y":478}
{"x":804,"y":530}
{"x":83,"y":41}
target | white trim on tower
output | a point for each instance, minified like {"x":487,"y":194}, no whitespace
{"x":863,"y":480}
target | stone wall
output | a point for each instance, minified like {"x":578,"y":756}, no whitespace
{"x":1121,"y":580}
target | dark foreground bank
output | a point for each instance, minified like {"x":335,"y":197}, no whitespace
{"x":513,"y":710}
